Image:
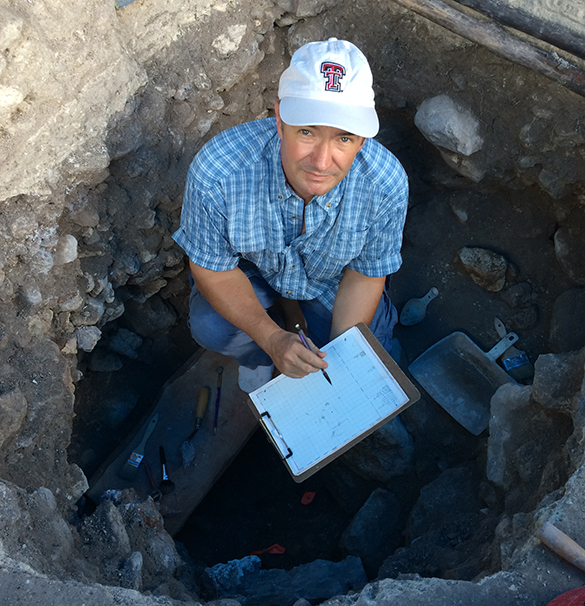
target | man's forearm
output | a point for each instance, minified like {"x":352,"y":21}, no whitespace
{"x":356,"y":301}
{"x":232,"y":296}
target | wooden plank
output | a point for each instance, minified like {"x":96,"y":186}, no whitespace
{"x":214,"y":453}
{"x":500,"y":42}
{"x":522,"y":20}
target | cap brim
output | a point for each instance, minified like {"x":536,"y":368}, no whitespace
{"x":355,"y":119}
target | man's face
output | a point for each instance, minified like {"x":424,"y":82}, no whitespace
{"x":315,"y":158}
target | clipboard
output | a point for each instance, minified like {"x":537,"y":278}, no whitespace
{"x":310,"y":422}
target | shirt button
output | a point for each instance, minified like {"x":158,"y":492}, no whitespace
{"x":279,"y":196}
{"x":289,"y":292}
{"x":294,"y":218}
{"x":328,"y":205}
{"x":292,"y":267}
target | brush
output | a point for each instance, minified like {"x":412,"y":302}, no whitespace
{"x":130,"y":467}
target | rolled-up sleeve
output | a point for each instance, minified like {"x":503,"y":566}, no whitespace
{"x":203,"y":231}
{"x":380,"y":254}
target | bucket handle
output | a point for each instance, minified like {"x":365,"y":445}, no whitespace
{"x":499,"y":348}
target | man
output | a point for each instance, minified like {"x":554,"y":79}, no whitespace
{"x":304,"y":207}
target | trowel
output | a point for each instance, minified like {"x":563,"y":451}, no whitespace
{"x":514,"y":360}
{"x":415,"y":310}
{"x":187,"y":448}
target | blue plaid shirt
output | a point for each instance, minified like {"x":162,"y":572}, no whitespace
{"x":238,"y":206}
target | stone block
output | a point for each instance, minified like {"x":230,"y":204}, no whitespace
{"x":243,"y":579}
{"x":383,"y":455}
{"x":448,"y":124}
{"x":486,"y":268}
{"x":375,"y":524}
{"x":567,"y":327}
{"x":13,"y":409}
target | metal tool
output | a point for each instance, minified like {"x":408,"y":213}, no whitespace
{"x":462,"y":378}
{"x":219,"y":375}
{"x":415,"y":310}
{"x":187,"y":448}
{"x":514,"y":360}
{"x":156,"y":493}
{"x":166,"y":486}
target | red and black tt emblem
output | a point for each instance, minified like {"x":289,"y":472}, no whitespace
{"x":332,"y":72}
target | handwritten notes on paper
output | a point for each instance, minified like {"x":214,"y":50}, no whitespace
{"x":313,"y":418}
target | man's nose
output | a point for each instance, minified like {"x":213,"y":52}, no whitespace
{"x":321,"y":156}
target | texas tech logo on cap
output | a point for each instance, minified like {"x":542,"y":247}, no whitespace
{"x":332,"y":72}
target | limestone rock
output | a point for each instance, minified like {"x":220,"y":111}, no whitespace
{"x":558,"y":379}
{"x":42,"y":262}
{"x":125,"y":342}
{"x":569,"y":247}
{"x":13,"y":409}
{"x":470,"y":167}
{"x":517,"y":295}
{"x":153,"y":316}
{"x":525,"y":318}
{"x":67,"y":96}
{"x":145,"y":528}
{"x":66,"y":251}
{"x":507,"y":399}
{"x":447,"y":123}
{"x":526,"y":457}
{"x":91,"y":313}
{"x":377,"y":522}
{"x":567,"y":327}
{"x":385,"y":454}
{"x":486,"y":268}
{"x":243,"y":579}
{"x":87,"y":337}
{"x":132,"y":572}
{"x":453,"y":493}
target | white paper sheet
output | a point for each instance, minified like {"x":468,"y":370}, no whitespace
{"x":314,"y":418}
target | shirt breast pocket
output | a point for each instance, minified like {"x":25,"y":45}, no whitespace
{"x":347,"y":245}
{"x":329,"y":257}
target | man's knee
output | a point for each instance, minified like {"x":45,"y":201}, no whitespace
{"x":208,"y":328}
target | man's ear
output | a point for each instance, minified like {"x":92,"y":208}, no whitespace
{"x":278,"y":121}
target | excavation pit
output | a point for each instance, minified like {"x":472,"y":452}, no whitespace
{"x":421,"y":490}
{"x":101,"y":112}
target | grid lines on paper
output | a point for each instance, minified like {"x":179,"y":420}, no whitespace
{"x":316,"y":418}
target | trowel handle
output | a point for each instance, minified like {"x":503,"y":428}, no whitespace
{"x":430,"y":295}
{"x":202,"y":400}
{"x":563,"y":545}
{"x":499,"y":348}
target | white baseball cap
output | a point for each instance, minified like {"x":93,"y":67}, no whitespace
{"x":329,"y":84}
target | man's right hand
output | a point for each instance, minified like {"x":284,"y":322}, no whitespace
{"x":232,"y":296}
{"x":291,"y":357}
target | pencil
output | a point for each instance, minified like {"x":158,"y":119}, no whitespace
{"x":306,"y":344}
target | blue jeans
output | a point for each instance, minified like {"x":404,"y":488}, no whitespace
{"x":212,"y":331}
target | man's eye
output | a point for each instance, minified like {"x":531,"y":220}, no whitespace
{"x":345,"y":139}
{"x":305,"y":131}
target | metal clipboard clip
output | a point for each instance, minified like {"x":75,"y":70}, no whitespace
{"x":276,"y":436}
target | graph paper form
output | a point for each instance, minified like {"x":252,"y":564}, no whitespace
{"x":309,"y":419}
